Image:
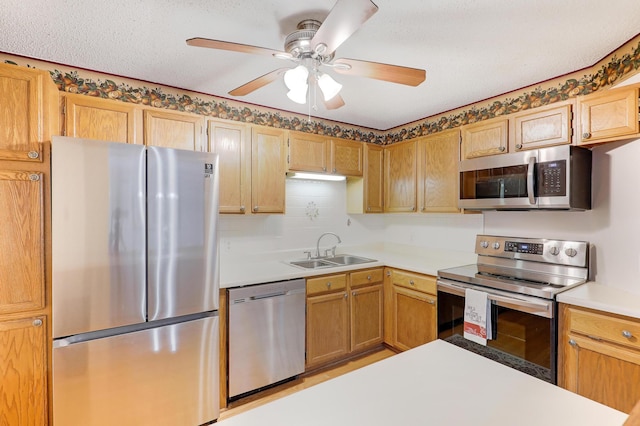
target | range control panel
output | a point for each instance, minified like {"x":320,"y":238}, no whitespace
{"x":561,"y":252}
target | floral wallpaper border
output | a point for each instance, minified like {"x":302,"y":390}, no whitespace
{"x":608,"y":73}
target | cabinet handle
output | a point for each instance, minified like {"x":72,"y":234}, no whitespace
{"x":242,"y":209}
{"x":519,"y":146}
{"x":324,"y":169}
{"x":255,"y":208}
{"x":346,"y":295}
{"x":369,"y":277}
{"x":334,"y":170}
{"x":353,"y":293}
{"x":328,"y":284}
{"x":33,"y":154}
{"x":627,"y":334}
{"x":572,"y":342}
{"x":388,"y":273}
{"x":431,"y":301}
{"x":411,"y":282}
{"x":368,"y":208}
{"x":37,"y":322}
{"x":501,"y":149}
{"x":34,"y":177}
{"x":586,"y":135}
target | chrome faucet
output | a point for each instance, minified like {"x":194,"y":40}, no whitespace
{"x":333,"y":249}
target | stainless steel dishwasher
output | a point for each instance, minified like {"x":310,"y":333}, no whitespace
{"x":266,"y":334}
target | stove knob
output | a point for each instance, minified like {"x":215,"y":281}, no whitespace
{"x":496,"y":245}
{"x":570,"y":252}
{"x":484,"y":244}
{"x":554,"y":250}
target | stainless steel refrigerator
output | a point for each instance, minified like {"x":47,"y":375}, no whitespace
{"x":135,"y":284}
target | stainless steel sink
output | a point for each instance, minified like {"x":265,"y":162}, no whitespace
{"x":328,"y":262}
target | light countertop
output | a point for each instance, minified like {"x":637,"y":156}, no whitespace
{"x":604,"y":298}
{"x":435,"y":384}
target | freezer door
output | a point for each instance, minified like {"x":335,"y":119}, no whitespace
{"x":160,"y":376}
{"x":182,"y":236}
{"x":98,"y":236}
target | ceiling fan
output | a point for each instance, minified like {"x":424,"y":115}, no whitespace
{"x":313,"y":46}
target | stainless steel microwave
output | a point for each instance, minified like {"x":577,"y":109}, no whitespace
{"x":547,"y":178}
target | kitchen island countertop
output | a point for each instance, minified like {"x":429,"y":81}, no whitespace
{"x":435,"y":384}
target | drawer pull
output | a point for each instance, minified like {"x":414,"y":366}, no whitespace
{"x":328,"y":284}
{"x":572,"y":342}
{"x":411,"y":282}
{"x":37,"y":322}
{"x":431,"y":301}
{"x":627,"y":334}
{"x":369,"y":277}
{"x":33,"y":154}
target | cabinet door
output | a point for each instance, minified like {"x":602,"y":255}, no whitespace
{"x":327,"y":328}
{"x":346,"y":157}
{"x":23,"y":368}
{"x":22,"y":243}
{"x":366,"y":317}
{"x":608,"y":115}
{"x":173,"y":130}
{"x":22,"y":109}
{"x":540,"y":127}
{"x":268,"y":165}
{"x":414,"y":318}
{"x":487,"y":137}
{"x":101,"y":119}
{"x":599,"y":371}
{"x":228,"y":140}
{"x":439,"y":172}
{"x":307,"y":152}
{"x":400,"y":177}
{"x":373,"y":179}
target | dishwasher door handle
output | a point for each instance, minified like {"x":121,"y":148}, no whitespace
{"x":268,"y":296}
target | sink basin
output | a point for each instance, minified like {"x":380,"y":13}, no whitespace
{"x":347,"y":259}
{"x":327,"y":262}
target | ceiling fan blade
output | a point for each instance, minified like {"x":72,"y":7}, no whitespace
{"x":386,"y":72}
{"x":334,"y":103}
{"x":345,"y":18}
{"x":235,"y":47}
{"x":259,"y":82}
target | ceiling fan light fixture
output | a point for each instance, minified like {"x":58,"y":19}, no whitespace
{"x":296,"y":78}
{"x":329,"y":87}
{"x":298,"y":95}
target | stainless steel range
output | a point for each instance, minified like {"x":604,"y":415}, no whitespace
{"x":521,"y":277}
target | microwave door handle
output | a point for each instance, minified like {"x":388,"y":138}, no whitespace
{"x":530,"y":181}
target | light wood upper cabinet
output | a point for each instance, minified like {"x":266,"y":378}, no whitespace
{"x":22,"y":242}
{"x":545,"y":126}
{"x":308,"y":152}
{"x":599,"y":356}
{"x":488,"y":137}
{"x":229,"y":140}
{"x":438,"y":172}
{"x":268,"y":166}
{"x":608,"y":115}
{"x":366,"y":194}
{"x":400,"y":177}
{"x":23,"y":368}
{"x":28,"y":112}
{"x":173,"y":130}
{"x":321,"y":154}
{"x":346,"y":157}
{"x":102,"y":119}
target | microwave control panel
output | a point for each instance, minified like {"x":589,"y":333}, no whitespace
{"x":552,"y":179}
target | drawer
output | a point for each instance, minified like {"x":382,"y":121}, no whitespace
{"x":424,"y":283}
{"x":327,"y":283}
{"x":606,"y":327}
{"x":369,"y":276}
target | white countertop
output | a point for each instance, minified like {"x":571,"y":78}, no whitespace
{"x":604,"y":298}
{"x":435,"y":384}
{"x":256,"y":269}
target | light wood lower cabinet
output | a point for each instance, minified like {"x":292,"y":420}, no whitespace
{"x":344,"y":315}
{"x":599,"y":356}
{"x":410,"y":309}
{"x":23,"y":368}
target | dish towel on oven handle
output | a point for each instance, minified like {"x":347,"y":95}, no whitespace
{"x":477,"y":316}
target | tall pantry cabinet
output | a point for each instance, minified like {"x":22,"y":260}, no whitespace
{"x":28,"y":119}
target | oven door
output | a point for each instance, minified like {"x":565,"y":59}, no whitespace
{"x":524,"y":328}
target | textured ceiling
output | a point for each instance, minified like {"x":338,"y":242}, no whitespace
{"x":471,"y":50}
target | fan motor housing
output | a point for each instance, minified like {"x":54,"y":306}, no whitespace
{"x":298,"y":43}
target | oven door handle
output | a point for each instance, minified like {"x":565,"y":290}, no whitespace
{"x":542,"y":309}
{"x":530,"y":180}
